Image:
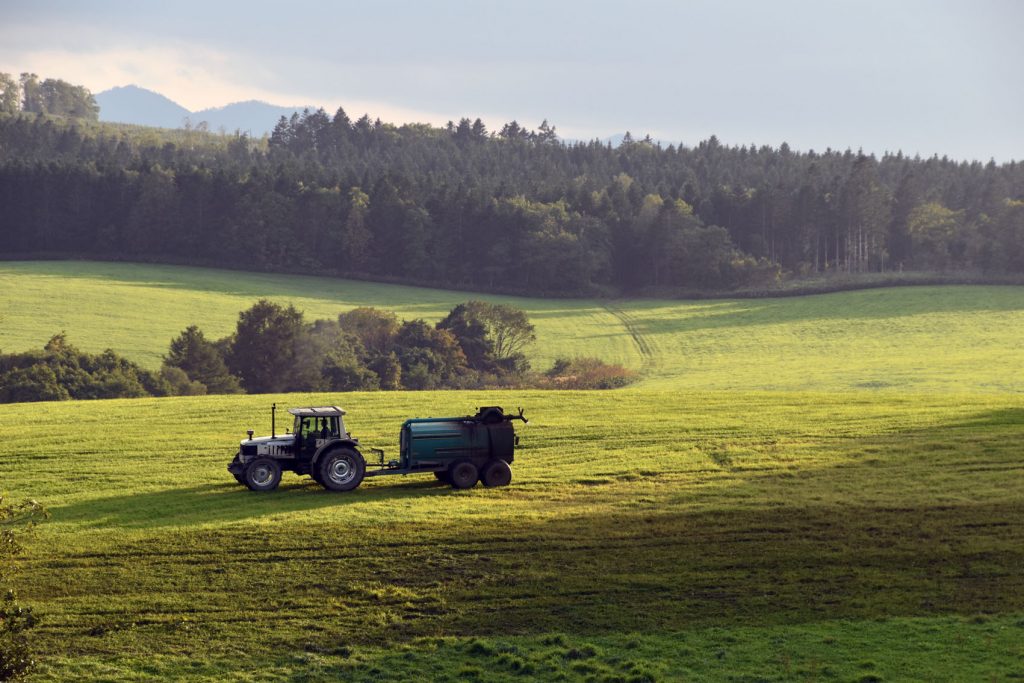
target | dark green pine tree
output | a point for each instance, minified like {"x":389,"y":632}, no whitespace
{"x":202,"y":362}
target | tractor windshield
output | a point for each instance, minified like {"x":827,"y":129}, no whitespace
{"x":317,"y":427}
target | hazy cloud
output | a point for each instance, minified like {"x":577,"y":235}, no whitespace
{"x":921,"y":76}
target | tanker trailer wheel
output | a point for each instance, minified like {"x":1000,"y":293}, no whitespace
{"x":341,"y":469}
{"x":463,"y":474}
{"x":262,"y":474}
{"x":443,"y":477}
{"x":496,"y":473}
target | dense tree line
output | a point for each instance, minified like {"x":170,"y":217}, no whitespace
{"x":514,"y":210}
{"x":51,"y":96}
{"x":274,"y":349}
{"x":60,"y":371}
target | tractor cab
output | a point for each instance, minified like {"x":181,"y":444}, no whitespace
{"x":314,"y":427}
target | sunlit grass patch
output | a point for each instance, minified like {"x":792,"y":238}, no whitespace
{"x":705,"y":520}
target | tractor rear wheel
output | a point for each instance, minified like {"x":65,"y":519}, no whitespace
{"x":262,"y":474}
{"x":496,"y":473}
{"x":464,"y":475}
{"x":341,"y":469}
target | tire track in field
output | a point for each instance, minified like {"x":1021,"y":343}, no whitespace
{"x":639,"y":339}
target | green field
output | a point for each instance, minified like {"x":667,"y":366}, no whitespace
{"x":951,"y":338}
{"x":648,"y":536}
{"x":824,"y":488}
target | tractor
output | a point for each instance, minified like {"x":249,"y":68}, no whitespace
{"x":459,"y":451}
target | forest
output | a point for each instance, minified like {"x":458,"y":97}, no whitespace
{"x":513,"y":209}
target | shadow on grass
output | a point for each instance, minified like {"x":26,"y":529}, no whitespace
{"x":346,"y":292}
{"x":229,"y":502}
{"x":628,"y":572}
{"x":763,"y":558}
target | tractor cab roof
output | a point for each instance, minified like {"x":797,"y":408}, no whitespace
{"x":325,"y":411}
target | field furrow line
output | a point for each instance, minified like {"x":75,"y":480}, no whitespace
{"x":640,"y":341}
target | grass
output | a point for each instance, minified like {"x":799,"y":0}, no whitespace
{"x":648,"y":535}
{"x":817,"y":488}
{"x":920,"y":339}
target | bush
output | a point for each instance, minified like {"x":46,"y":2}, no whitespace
{"x":33,"y":383}
{"x":587,"y":373}
{"x":15,"y":620}
{"x":15,"y":655}
{"x":178,"y":382}
{"x":61,"y":372}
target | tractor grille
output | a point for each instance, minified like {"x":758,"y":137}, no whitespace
{"x":249,"y":450}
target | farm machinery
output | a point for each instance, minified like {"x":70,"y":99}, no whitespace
{"x":459,"y":451}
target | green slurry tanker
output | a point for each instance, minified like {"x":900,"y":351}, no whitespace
{"x":459,"y":451}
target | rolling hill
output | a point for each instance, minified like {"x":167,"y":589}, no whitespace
{"x":814,"y":488}
{"x":949,"y":338}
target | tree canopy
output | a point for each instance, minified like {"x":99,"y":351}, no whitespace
{"x":51,"y":96}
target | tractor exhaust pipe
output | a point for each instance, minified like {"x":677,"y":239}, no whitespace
{"x":273,"y":419}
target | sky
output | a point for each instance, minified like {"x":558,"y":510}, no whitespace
{"x":923,"y":77}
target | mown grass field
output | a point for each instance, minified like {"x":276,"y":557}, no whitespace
{"x":818,"y":488}
{"x":648,"y":535}
{"x":949,"y":338}
{"x":138,"y":309}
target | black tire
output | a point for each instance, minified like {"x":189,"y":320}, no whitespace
{"x":497,"y":472}
{"x":341,"y":469}
{"x":262,"y":474}
{"x":442,"y":476}
{"x":239,"y":478}
{"x":463,"y":475}
{"x":314,"y":471}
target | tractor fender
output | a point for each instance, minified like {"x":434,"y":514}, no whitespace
{"x":331,"y":445}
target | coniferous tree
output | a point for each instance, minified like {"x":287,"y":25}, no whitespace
{"x":201,"y":361}
{"x":266,"y":347}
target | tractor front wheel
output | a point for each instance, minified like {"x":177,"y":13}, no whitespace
{"x":464,"y":475}
{"x":262,"y":474}
{"x":496,"y":473}
{"x":341,"y":469}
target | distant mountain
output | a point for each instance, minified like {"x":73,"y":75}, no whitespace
{"x":132,"y":104}
{"x":252,"y":117}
